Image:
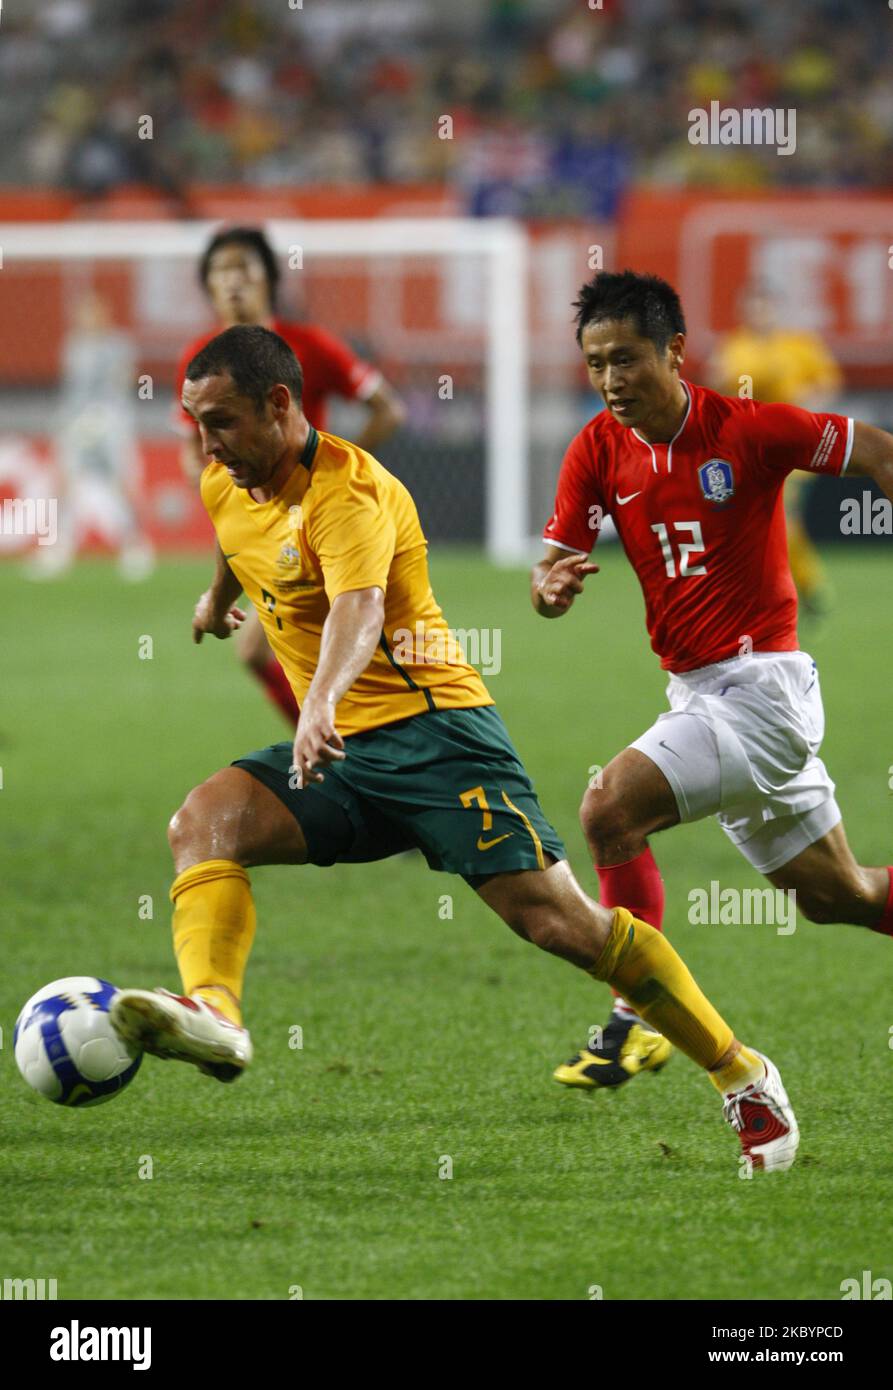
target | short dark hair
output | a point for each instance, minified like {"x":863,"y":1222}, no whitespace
{"x":251,"y":237}
{"x":256,"y":359}
{"x":651,"y":303}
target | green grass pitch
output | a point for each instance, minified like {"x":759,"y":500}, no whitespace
{"x":423,"y":1037}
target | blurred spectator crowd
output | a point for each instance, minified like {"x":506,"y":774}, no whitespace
{"x":554,"y":105}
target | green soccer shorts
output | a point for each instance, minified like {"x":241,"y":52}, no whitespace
{"x":447,"y":782}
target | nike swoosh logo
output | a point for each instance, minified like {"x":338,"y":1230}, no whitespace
{"x":77,"y":1091}
{"x":669,"y":749}
{"x":488,"y":844}
{"x":622,"y":501}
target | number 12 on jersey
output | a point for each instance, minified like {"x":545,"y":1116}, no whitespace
{"x":686,"y":548}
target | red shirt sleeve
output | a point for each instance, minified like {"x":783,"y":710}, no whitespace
{"x":579,"y":502}
{"x":338,"y":371}
{"x":790,"y":438}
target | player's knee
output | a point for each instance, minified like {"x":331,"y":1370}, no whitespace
{"x":182,"y":827}
{"x":604,"y":819}
{"x":204,"y":827}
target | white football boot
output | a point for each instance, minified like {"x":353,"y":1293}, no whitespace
{"x":190,"y":1030}
{"x":766,"y":1125}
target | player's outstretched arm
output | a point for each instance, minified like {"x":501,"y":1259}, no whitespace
{"x":556,"y":581}
{"x":386,"y":414}
{"x":872,"y":456}
{"x":350,"y":635}
{"x":214,"y":611}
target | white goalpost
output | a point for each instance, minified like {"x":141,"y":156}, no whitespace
{"x":474,"y":296}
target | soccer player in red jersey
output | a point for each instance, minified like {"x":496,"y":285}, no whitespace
{"x":240,"y":275}
{"x":693,"y":481}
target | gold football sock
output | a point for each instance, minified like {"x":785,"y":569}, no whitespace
{"x":745,"y":1069}
{"x":214,"y":924}
{"x":640,"y":963}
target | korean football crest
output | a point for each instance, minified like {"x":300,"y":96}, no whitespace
{"x":717,"y":483}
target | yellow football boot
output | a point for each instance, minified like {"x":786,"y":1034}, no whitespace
{"x":624,"y":1049}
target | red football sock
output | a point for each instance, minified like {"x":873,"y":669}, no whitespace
{"x":275,"y":682}
{"x":637,"y":884}
{"x":885,"y":925}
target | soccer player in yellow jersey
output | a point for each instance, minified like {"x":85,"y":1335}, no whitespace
{"x":398,"y":745}
{"x":786,"y":366}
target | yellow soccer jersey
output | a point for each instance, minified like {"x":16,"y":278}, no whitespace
{"x":341,"y":523}
{"x":783,"y":366}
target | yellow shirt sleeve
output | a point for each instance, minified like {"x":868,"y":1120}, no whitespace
{"x":353,"y":537}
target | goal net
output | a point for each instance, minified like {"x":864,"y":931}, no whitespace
{"x":439,"y":305}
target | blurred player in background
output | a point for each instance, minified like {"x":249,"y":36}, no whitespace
{"x":240,"y":276}
{"x":96,"y":449}
{"x":789,"y":365}
{"x":694,"y":482}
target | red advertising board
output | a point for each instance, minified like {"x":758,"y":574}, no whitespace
{"x":827,"y":260}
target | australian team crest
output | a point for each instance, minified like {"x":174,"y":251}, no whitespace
{"x":289,"y":557}
{"x":717,"y":483}
{"x":291,"y":573}
{"x":289,"y":565}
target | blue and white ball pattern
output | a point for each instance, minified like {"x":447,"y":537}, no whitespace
{"x":65,"y":1046}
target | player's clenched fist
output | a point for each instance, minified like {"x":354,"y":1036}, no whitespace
{"x":564,"y":581}
{"x":211,"y":617}
{"x":316,"y":741}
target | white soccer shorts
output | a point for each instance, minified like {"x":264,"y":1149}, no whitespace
{"x":740,"y":742}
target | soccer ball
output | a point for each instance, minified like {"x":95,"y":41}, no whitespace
{"x":65,"y":1046}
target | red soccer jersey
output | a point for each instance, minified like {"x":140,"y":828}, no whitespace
{"x":330,"y":369}
{"x":701,"y":518}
